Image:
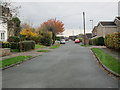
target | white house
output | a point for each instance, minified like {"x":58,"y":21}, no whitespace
{"x":3,"y":29}
{"x":4,"y":17}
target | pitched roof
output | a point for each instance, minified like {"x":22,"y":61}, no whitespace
{"x":108,"y":23}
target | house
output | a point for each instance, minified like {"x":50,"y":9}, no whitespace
{"x":94,"y":31}
{"x":117,"y":22}
{"x":5,"y":16}
{"x":106,"y":27}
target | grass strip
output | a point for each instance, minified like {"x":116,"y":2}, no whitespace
{"x":86,"y":45}
{"x":37,"y":46}
{"x":13,"y":60}
{"x":55,"y":46}
{"x":43,"y":51}
{"x":107,"y":60}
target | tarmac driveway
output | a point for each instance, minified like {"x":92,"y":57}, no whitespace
{"x":69,"y":66}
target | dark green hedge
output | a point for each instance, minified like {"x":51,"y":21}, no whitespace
{"x":6,"y":45}
{"x":113,"y":41}
{"x":14,"y":39}
{"x":97,"y":41}
{"x":26,"y":45}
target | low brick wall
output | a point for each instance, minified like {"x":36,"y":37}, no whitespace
{"x":4,"y":51}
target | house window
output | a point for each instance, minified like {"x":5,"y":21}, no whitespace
{"x":2,"y":36}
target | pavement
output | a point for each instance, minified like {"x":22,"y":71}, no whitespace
{"x":69,"y":66}
{"x":32,"y":53}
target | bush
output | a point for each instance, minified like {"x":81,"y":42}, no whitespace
{"x":14,"y":45}
{"x":46,"y":39}
{"x":113,"y":41}
{"x":5,"y":45}
{"x":14,"y":39}
{"x":97,"y":41}
{"x":26,"y":45}
{"x":100,"y":41}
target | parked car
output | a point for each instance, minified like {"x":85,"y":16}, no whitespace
{"x":62,"y":41}
{"x":77,"y":41}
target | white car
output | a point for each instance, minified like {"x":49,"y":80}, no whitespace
{"x":62,"y":41}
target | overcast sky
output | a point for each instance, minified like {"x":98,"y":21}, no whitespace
{"x":70,"y":13}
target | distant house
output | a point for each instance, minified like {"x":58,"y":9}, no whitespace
{"x":89,"y":35}
{"x":106,"y":27}
{"x":72,"y":37}
{"x":5,"y":16}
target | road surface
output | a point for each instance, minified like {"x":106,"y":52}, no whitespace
{"x":69,"y":66}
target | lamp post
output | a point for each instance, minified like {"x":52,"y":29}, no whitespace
{"x":92,"y":23}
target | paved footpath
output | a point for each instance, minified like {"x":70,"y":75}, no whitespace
{"x":69,"y":66}
{"x":32,"y":53}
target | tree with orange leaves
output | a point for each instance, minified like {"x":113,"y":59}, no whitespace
{"x":55,"y":26}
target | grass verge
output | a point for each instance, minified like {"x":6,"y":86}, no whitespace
{"x":43,"y":51}
{"x":39,"y":46}
{"x":13,"y":60}
{"x":86,"y":45}
{"x":55,"y":46}
{"x":15,"y":50}
{"x":107,"y":60}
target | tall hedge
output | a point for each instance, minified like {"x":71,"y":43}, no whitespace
{"x":97,"y":41}
{"x":113,"y":41}
{"x":26,"y":45}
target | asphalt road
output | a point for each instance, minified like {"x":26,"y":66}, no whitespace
{"x":69,"y":66}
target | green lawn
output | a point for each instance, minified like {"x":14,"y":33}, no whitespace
{"x":107,"y":60}
{"x":14,"y":60}
{"x":39,"y":46}
{"x":55,"y":46}
{"x":43,"y":51}
{"x":86,"y":45}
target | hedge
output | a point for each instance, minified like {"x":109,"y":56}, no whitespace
{"x":5,"y":45}
{"x":14,"y":39}
{"x":26,"y":45}
{"x":97,"y":41}
{"x":12,"y":45}
{"x":113,"y":41}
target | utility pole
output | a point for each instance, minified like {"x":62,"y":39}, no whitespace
{"x":84,"y":28}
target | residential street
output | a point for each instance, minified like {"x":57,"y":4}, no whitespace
{"x":69,"y":66}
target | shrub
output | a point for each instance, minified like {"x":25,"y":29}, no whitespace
{"x":5,"y":45}
{"x":26,"y":45}
{"x":97,"y":41}
{"x":14,"y":45}
{"x":46,"y":39}
{"x":100,"y":41}
{"x":113,"y":41}
{"x":14,"y":39}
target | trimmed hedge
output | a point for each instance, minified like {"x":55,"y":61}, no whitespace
{"x":12,"y":45}
{"x":26,"y":45}
{"x":97,"y":41}
{"x":113,"y":41}
{"x":6,"y":45}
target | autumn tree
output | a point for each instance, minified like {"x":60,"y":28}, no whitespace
{"x":55,"y":26}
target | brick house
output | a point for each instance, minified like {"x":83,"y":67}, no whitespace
{"x":104,"y":28}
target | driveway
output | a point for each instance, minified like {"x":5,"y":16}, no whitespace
{"x":69,"y":66}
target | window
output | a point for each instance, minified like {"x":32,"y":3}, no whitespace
{"x":2,"y":36}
